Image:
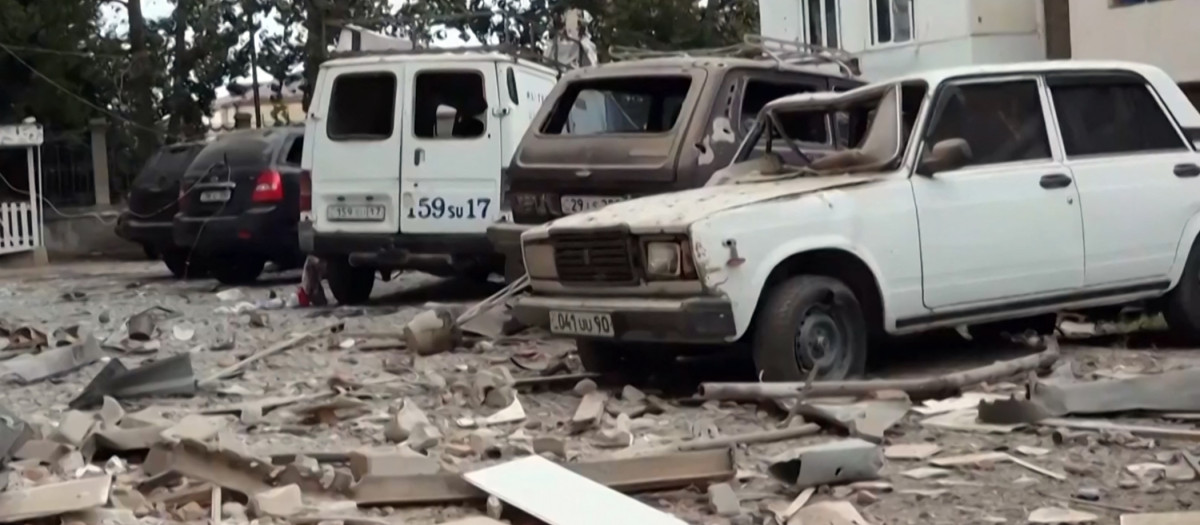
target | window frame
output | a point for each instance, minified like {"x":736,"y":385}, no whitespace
{"x":934,"y":111}
{"x":815,"y":85}
{"x":359,"y":137}
{"x":290,"y":143}
{"x":823,"y":6}
{"x":435,"y":71}
{"x":695,"y":85}
{"x":1186,"y":145}
{"x":874,"y":19}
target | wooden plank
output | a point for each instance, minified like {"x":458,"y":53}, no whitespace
{"x":22,"y":223}
{"x":1182,"y":434}
{"x":558,"y":496}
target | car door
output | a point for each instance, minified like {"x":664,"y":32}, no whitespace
{"x":1136,"y":174}
{"x":1006,"y":223}
{"x":452,"y":154}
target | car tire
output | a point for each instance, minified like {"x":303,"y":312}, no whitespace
{"x":238,"y":269}
{"x":1182,"y":304}
{"x":185,"y":265}
{"x":809,"y":321}
{"x":350,"y":284}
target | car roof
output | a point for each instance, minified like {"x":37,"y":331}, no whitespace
{"x":935,"y":77}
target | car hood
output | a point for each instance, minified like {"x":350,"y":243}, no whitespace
{"x":673,"y":212}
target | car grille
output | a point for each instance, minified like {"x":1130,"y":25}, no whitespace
{"x":594,"y":257}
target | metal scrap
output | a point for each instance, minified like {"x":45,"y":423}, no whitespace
{"x":172,"y":376}
{"x":48,"y":500}
{"x":50,"y":363}
{"x":558,"y":496}
{"x":836,"y":462}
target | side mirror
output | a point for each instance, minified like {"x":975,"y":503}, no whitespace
{"x":946,"y":155}
{"x":445,"y":120}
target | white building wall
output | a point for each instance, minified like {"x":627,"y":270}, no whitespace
{"x":1163,"y":33}
{"x":946,"y":33}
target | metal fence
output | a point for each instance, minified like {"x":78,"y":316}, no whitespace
{"x":67,"y":169}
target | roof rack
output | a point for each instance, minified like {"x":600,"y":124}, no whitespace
{"x":513,"y":51}
{"x":755,"y":47}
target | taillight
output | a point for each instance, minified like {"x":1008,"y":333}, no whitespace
{"x":268,"y":187}
{"x":306,"y":191}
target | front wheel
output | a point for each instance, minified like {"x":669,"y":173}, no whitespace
{"x":1182,"y":305}
{"x":350,"y":284}
{"x":238,"y":269}
{"x":808,"y":322}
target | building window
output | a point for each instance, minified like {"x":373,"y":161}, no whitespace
{"x":1123,"y":3}
{"x":824,"y":27}
{"x":892,"y":21}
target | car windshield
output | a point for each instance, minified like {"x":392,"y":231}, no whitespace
{"x":834,"y":137}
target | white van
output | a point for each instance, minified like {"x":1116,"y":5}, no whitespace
{"x":406,"y":153}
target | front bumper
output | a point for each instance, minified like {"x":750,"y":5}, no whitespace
{"x":151,"y":233}
{"x":259,"y":231}
{"x":695,"y":320}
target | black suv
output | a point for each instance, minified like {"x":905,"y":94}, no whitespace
{"x":153,"y":203}
{"x":240,"y":203}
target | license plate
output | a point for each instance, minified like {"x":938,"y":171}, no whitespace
{"x":214,"y":196}
{"x":364,"y":212}
{"x":581,"y":203}
{"x":581,"y":323}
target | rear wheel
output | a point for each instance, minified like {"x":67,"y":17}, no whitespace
{"x":349,"y":284}
{"x":238,"y":269}
{"x":184,"y":264}
{"x":810,"y":321}
{"x":1182,"y":305}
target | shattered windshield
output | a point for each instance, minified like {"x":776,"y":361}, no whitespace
{"x":835,"y":136}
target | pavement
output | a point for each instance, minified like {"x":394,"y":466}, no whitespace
{"x":347,"y":388}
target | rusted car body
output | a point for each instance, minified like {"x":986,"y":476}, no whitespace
{"x":678,"y":120}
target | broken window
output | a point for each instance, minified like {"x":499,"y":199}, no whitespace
{"x":760,"y":92}
{"x":619,"y":105}
{"x":1000,"y":121}
{"x":449,"y":104}
{"x":1100,"y":116}
{"x":892,"y":21}
{"x":362,"y":107}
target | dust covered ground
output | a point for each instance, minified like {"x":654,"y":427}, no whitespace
{"x":99,"y":297}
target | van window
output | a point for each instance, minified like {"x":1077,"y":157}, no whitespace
{"x":457,"y":100}
{"x":619,"y":105}
{"x":759,"y":93}
{"x":362,"y":107}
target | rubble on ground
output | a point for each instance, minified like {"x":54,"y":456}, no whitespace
{"x":325,"y":415}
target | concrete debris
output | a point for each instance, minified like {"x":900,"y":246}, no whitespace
{"x":1059,"y":515}
{"x":837,"y":462}
{"x":111,"y":411}
{"x":585,"y":387}
{"x":1161,"y":518}
{"x":195,"y":427}
{"x":917,"y":451}
{"x":550,"y":445}
{"x":74,"y":428}
{"x":588,"y":413}
{"x":828,"y":513}
{"x":279,"y":502}
{"x":47,"y":500}
{"x":400,"y":426}
{"x":391,"y":462}
{"x":723,"y":501}
{"x":867,"y":419}
{"x":921,"y":473}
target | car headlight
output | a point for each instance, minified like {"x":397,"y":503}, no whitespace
{"x":539,"y":261}
{"x":663,"y":259}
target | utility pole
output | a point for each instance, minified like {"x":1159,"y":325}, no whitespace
{"x":258,"y":120}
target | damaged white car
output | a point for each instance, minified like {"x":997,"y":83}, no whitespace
{"x":989,"y":196}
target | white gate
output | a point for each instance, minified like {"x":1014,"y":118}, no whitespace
{"x":21,"y":212}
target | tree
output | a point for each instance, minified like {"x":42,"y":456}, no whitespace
{"x":202,"y":63}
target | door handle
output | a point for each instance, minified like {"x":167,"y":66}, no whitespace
{"x":1055,"y":181}
{"x":1187,"y":170}
{"x":418,"y":156}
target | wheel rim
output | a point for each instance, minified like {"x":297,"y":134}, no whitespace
{"x":822,"y":343}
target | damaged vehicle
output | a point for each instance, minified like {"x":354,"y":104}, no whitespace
{"x":654,"y":124}
{"x":971,"y":196}
{"x":153,"y":203}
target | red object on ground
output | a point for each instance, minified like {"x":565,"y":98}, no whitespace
{"x":302,"y":297}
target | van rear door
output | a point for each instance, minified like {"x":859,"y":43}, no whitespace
{"x":356,"y":143}
{"x":452,"y":152}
